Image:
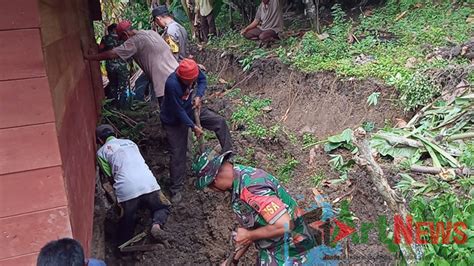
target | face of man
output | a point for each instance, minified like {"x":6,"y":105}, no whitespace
{"x":188,"y":83}
{"x":124,"y":35}
{"x":224,"y":178}
{"x":160,"y":22}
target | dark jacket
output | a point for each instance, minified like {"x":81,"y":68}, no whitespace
{"x":175,"y":110}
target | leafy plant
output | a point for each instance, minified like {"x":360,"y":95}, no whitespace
{"x":247,"y":62}
{"x":309,"y":140}
{"x":234,"y":92}
{"x":408,"y":184}
{"x":338,"y":164}
{"x":447,"y":207}
{"x":343,"y":140}
{"x":368,"y":126}
{"x":317,"y":178}
{"x":467,"y":157}
{"x":373,"y":98}
{"x":247,"y":113}
{"x":285,"y":171}
{"x":416,"y":90}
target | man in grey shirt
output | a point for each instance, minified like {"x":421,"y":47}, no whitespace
{"x":268,"y":23}
{"x":148,"y":49}
{"x":134,"y":183}
{"x":174,"y":34}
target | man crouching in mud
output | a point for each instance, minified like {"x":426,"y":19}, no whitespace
{"x":267,"y":214}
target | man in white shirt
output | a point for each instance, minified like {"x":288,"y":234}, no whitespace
{"x":134,"y":183}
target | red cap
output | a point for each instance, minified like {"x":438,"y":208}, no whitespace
{"x":123,"y":26}
{"x":187,"y":69}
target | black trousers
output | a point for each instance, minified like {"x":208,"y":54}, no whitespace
{"x":178,"y":140}
{"x":158,"y":209}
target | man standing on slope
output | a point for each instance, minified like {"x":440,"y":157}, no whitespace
{"x":148,"y":49}
{"x":177,"y":117}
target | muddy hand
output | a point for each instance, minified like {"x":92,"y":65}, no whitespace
{"x":197,"y":131}
{"x":243,"y":237}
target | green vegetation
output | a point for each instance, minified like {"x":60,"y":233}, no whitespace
{"x":317,"y":178}
{"x":285,"y":171}
{"x":247,"y":113}
{"x":122,"y":120}
{"x":373,"y":98}
{"x":447,"y":207}
{"x":467,"y":157}
{"x":386,"y":45}
{"x":337,"y":163}
{"x":309,"y":140}
{"x":247,"y":158}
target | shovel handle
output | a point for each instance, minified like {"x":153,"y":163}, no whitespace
{"x":198,"y":123}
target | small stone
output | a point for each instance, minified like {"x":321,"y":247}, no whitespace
{"x":323,"y":36}
{"x":411,"y":62}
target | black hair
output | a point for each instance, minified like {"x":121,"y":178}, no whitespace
{"x":62,"y":252}
{"x":111,"y":27}
{"x":103,"y":137}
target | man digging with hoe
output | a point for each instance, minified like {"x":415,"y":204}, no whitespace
{"x":178,"y":115}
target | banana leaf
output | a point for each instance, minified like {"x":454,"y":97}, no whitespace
{"x":383,"y":147}
{"x":450,"y":159}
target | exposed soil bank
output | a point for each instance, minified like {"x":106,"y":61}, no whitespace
{"x":320,"y":103}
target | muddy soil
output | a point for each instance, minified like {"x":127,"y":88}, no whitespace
{"x":321,"y":103}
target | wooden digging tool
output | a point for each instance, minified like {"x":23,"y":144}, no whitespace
{"x":198,"y":123}
{"x":134,"y":239}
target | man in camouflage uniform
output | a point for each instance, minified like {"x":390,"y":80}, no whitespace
{"x":117,"y":69}
{"x":267,"y":214}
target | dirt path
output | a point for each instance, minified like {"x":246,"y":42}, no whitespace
{"x":321,"y":104}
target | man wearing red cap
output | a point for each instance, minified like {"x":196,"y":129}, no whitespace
{"x":148,"y":49}
{"x":177,"y":117}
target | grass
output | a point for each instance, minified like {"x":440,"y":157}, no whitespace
{"x":420,"y":27}
{"x":285,"y":171}
{"x":317,"y":178}
{"x":247,"y":114}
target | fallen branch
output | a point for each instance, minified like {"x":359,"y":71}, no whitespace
{"x":399,"y":140}
{"x":418,"y":115}
{"x":394,"y":201}
{"x":245,"y":79}
{"x":366,"y":161}
{"x":438,"y":170}
{"x":467,"y":135}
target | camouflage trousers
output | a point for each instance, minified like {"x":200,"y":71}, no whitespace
{"x":118,"y":88}
{"x":278,"y":256}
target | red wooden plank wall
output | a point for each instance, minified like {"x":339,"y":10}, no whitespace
{"x":66,"y":28}
{"x":49,"y":102}
{"x":33,"y":205}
